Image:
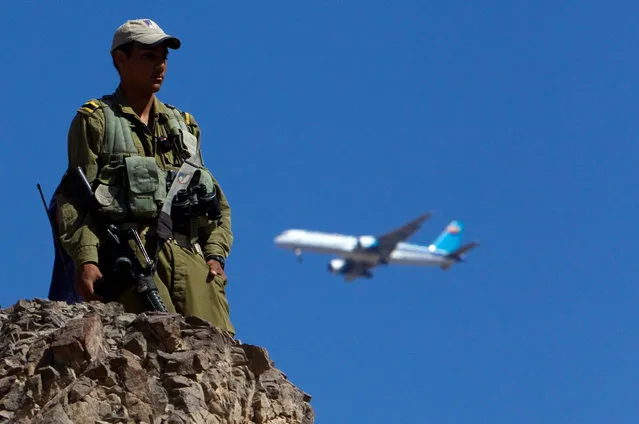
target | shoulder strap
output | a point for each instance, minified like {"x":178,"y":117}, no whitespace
{"x":178,"y":125}
{"x":118,"y":134}
{"x":89,"y":107}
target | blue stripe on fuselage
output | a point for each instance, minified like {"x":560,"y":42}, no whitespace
{"x":416,"y":248}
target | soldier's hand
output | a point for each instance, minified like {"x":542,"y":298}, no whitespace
{"x":86,"y":275}
{"x":215,"y":269}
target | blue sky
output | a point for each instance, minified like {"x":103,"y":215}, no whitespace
{"x":518,"y":118}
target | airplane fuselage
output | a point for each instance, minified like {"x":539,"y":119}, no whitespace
{"x":361,"y":249}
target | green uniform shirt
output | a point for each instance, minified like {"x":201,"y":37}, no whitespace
{"x":78,"y":233}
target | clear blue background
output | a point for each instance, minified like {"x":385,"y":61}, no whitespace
{"x":516,"y":117}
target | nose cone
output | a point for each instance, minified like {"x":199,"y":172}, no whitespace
{"x":281,"y":239}
{"x":288,"y":238}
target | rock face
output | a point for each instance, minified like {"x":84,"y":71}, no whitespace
{"x":92,"y":362}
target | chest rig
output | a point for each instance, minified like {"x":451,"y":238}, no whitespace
{"x":131,"y":186}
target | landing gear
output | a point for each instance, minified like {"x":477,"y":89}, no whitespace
{"x":298,"y":253}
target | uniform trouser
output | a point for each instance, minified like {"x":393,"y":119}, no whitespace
{"x":183,"y":281}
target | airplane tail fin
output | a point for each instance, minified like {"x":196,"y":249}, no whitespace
{"x":450,"y":239}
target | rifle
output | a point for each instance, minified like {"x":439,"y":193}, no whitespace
{"x":120,"y":270}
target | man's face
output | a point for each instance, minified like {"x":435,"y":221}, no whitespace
{"x":145,"y":68}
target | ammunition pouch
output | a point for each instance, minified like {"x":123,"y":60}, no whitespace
{"x":134,"y":187}
{"x":110,"y":193}
{"x":147,"y":186}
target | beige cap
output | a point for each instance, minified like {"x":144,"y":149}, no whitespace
{"x":144,"y":31}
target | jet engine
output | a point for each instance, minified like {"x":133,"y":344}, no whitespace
{"x":338,"y":266}
{"x":367,"y":242}
{"x":349,"y":268}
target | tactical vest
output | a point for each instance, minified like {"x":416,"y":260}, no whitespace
{"x":130,"y":185}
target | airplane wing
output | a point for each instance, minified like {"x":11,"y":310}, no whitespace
{"x":387,"y":242}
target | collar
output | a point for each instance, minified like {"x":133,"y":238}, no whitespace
{"x":158,"y":109}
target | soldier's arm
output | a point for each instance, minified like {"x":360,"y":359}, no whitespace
{"x":78,"y":232}
{"x":218,"y":239}
{"x":215,"y":239}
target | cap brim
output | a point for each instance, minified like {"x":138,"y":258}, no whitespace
{"x":153,"y":40}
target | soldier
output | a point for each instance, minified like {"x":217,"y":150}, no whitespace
{"x":128,"y":144}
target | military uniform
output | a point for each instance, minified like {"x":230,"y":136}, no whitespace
{"x":182,"y":272}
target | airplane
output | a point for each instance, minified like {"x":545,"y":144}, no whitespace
{"x":360,"y":254}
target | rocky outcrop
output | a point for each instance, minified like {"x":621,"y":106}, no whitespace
{"x":92,"y":362}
